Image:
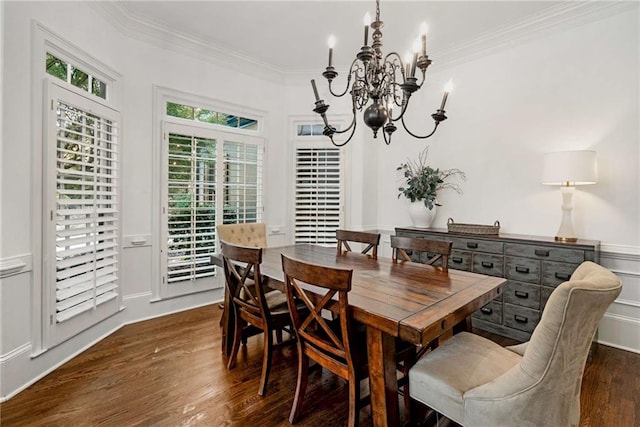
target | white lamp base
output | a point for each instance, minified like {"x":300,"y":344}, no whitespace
{"x":565,"y":232}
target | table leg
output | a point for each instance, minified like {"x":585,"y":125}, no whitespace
{"x":381,"y":349}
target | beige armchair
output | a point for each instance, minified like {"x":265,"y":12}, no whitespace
{"x":245,"y":234}
{"x":475,"y":382}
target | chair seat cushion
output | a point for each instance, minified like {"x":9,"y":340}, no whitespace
{"x":443,"y":376}
{"x":277,"y":302}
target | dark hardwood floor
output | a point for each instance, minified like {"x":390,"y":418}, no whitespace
{"x":170,"y":372}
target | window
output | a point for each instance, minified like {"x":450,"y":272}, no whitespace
{"x":75,"y":76}
{"x":318,"y":194}
{"x":211,"y":177}
{"x":208,"y":116}
{"x":81,"y":253}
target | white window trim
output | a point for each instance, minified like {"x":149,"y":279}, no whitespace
{"x":162,"y":95}
{"x":44,"y":40}
{"x":294,"y":141}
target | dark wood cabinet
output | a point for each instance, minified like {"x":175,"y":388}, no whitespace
{"x":532,"y":265}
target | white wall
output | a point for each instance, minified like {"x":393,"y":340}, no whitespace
{"x":572,"y":89}
{"x":141,"y":65}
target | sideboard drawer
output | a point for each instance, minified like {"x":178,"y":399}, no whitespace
{"x":554,"y":273}
{"x":550,"y":253}
{"x":460,"y":260}
{"x":524,"y":294}
{"x":491,"y":312}
{"x":521,"y":318}
{"x":491,"y":265}
{"x":522,"y":269}
{"x":478,"y":245}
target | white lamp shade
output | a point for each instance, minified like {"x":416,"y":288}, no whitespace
{"x":570,"y":168}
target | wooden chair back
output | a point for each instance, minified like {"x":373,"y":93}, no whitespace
{"x":371,"y":239}
{"x":244,"y":282}
{"x":316,"y":338}
{"x":441,"y":249}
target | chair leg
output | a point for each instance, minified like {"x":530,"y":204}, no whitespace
{"x":237,"y":337}
{"x":279,"y":336}
{"x":354,"y":402}
{"x":266,"y":361}
{"x":301,"y":385}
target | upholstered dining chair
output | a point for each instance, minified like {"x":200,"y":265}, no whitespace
{"x":330,"y":344}
{"x":372,"y":240}
{"x":432,"y":251}
{"x":251,"y":305}
{"x":475,"y":382}
{"x":244,"y":234}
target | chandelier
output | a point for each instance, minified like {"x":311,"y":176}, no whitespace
{"x":386,"y":80}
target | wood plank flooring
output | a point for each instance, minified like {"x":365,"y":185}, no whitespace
{"x":170,"y":372}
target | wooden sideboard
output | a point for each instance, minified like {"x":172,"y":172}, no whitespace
{"x":532,"y":265}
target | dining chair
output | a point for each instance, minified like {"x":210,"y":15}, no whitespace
{"x":244,"y":234}
{"x":333,"y":345}
{"x":433,"y":250}
{"x":475,"y":382}
{"x":251,"y":305}
{"x":371,"y":239}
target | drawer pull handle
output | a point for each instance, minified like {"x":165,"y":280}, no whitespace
{"x":457,"y":260}
{"x":524,"y":270}
{"x":521,"y":294}
{"x":487,"y":264}
{"x":563,"y":276}
{"x":520,"y":319}
{"x":541,"y":252}
{"x":471,"y":245}
{"x":486,"y":310}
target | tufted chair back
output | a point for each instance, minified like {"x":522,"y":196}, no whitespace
{"x":244,"y":234}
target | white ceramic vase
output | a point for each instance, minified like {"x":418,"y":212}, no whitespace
{"x":420,"y":215}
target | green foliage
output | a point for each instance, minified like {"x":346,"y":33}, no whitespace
{"x":422,"y":182}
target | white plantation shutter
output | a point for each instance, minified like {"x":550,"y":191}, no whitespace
{"x":318,"y":195}
{"x":242,"y":182}
{"x":191,"y":216}
{"x":83,"y":169}
{"x":211,"y":177}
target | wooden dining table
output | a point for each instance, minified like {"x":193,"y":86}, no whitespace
{"x":412,"y":301}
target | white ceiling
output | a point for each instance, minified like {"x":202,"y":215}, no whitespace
{"x":292,"y":35}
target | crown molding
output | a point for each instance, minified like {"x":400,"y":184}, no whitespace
{"x":136,"y":27}
{"x":561,"y":16}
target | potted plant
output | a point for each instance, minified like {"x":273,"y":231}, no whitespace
{"x":422,"y":183}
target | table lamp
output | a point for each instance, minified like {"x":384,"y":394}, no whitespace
{"x":568,"y":169}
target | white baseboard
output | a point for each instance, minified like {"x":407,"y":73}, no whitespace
{"x":620,"y":332}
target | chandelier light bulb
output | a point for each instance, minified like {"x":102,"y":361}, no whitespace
{"x":449,"y":86}
{"x":423,"y":28}
{"x":367,"y":22}
{"x":331,"y":42}
{"x":415,"y":47}
{"x":407,"y":61}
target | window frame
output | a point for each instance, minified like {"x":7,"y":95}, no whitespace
{"x":60,"y":332}
{"x":44,"y":40}
{"x":161,"y":95}
{"x":313,"y":141}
